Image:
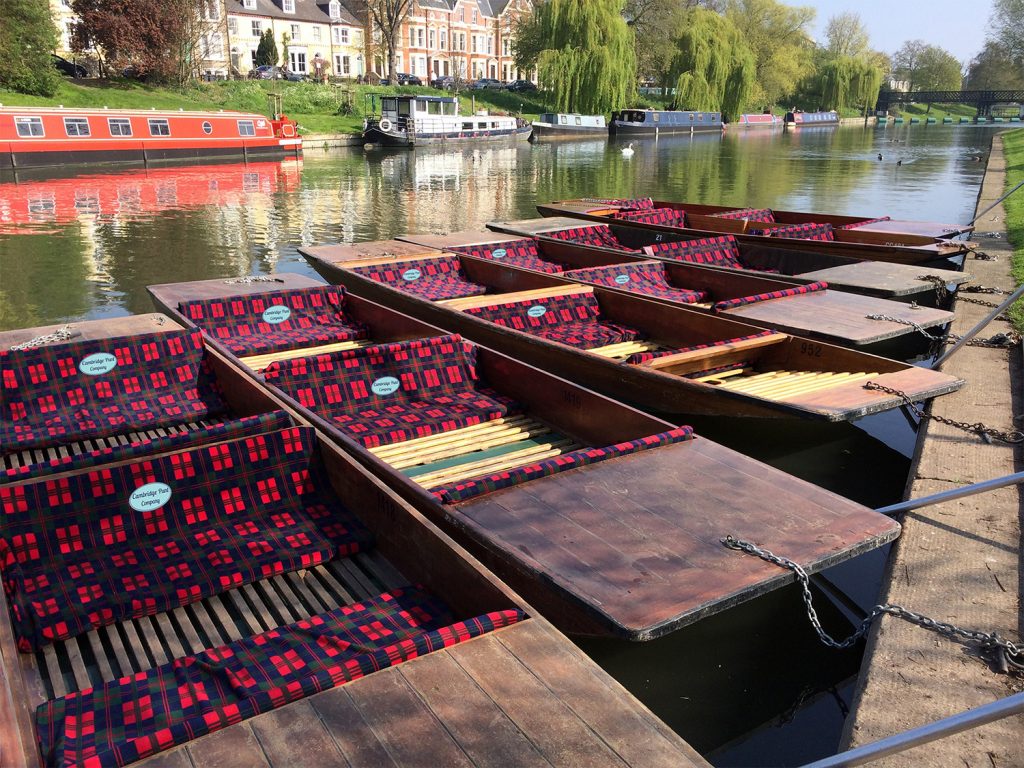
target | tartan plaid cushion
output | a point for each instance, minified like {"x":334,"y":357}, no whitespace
{"x":137,"y":716}
{"x":433,"y":279}
{"x":673,"y":217}
{"x":227,"y":430}
{"x":636,"y":203}
{"x":751,"y":214}
{"x":392,"y":392}
{"x":467,"y":489}
{"x":599,"y":235}
{"x":799,"y":231}
{"x":720,"y":251}
{"x":642,"y":357}
{"x":521,"y":253}
{"x":115,"y":543}
{"x":645,"y":277}
{"x":86,"y":389}
{"x":799,"y":290}
{"x":573,"y":319}
{"x":864,"y":223}
{"x":257,"y":323}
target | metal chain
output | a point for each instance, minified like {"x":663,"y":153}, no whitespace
{"x":1012,"y":436}
{"x":941,"y":290}
{"x":989,"y":641}
{"x":61,"y":334}
{"x":997,"y":341}
{"x":982,"y":289}
{"x":253,"y":279}
{"x":916,"y":326}
{"x":981,"y":255}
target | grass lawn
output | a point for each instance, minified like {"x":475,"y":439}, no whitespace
{"x":317,"y":108}
{"x":1013,"y":146}
{"x":938,"y":111}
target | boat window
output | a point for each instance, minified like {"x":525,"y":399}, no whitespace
{"x":29,"y":126}
{"x":119,"y":126}
{"x":482,"y":125}
{"x":494,"y":125}
{"x":435,"y":108}
{"x":158,"y":126}
{"x":655,"y":115}
{"x":579,"y":120}
{"x":691,"y":117}
{"x":76,"y":126}
{"x":388,"y":105}
{"x":700,"y":116}
{"x":467,"y":126}
{"x":245,"y":128}
{"x":207,"y":127}
{"x":403,"y":108}
{"x":563,"y":119}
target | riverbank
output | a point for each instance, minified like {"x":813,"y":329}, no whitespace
{"x":956,"y":562}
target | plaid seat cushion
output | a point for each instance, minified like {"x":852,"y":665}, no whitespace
{"x":574,"y":319}
{"x":633,"y":203}
{"x":521,"y":253}
{"x":646,"y":277}
{"x":599,"y":235}
{"x":86,"y":389}
{"x":750,"y":214}
{"x":799,"y":231}
{"x":392,"y":392}
{"x":433,"y":279}
{"x":227,"y":430}
{"x":98,"y":547}
{"x":137,"y":716}
{"x":718,"y":251}
{"x":799,"y":290}
{"x":672,"y":217}
{"x":467,"y":489}
{"x":273,"y":322}
{"x":865,"y":223}
{"x":642,"y":357}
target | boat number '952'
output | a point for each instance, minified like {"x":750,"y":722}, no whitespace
{"x":807,"y":348}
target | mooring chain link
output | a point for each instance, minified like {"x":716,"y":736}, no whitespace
{"x":982,"y":289}
{"x":988,"y":641}
{"x":940,"y":286}
{"x":996,"y":341}
{"x":61,"y":334}
{"x":253,"y":279}
{"x":1011,"y":436}
{"x":981,"y":255}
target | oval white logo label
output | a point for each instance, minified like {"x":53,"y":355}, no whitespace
{"x":97,"y":364}
{"x":411,"y":274}
{"x":276,"y":314}
{"x":149,"y":496}
{"x":537,"y":311}
{"x":499,"y":253}
{"x":622,"y":279}
{"x":386,"y":385}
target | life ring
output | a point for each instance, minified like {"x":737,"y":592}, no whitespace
{"x":385,"y":124}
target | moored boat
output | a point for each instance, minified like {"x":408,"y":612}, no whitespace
{"x":409,"y":120}
{"x":656,"y":122}
{"x":556,"y":125}
{"x":58,"y":136}
{"x":801,"y":119}
{"x":764,"y":120}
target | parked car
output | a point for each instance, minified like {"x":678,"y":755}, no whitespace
{"x":266,"y":72}
{"x":486,"y":82}
{"x":521,"y":85}
{"x":446,"y":83}
{"x":68,"y":68}
{"x":402,"y":78}
{"x":295,"y":77}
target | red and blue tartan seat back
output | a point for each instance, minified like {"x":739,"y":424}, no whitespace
{"x":86,"y":389}
{"x":251,"y":324}
{"x":645,"y":277}
{"x":433,"y":279}
{"x":393,"y":392}
{"x":632,"y":203}
{"x":114,"y":543}
{"x":599,"y":235}
{"x":810,"y":231}
{"x":672,"y":217}
{"x":763,"y":215}
{"x":521,"y":253}
{"x":798,"y":290}
{"x":718,"y":251}
{"x":137,"y":716}
{"x":865,"y":222}
{"x":642,"y":357}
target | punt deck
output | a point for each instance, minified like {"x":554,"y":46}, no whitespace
{"x":594,"y":511}
{"x":672,"y":359}
{"x":518,"y":694}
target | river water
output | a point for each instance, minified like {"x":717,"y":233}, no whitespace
{"x":751,"y":686}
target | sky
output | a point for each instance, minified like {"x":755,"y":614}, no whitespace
{"x":956,"y":25}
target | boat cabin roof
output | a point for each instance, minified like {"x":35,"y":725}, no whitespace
{"x":417,"y":97}
{"x":104,"y":112}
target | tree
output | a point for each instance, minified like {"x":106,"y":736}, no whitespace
{"x":1007,"y":28}
{"x":386,"y":18}
{"x":654,"y":23}
{"x":926,"y":67}
{"x":27,"y":37}
{"x":846,"y":36}
{"x":850,"y":82}
{"x":994,"y":69}
{"x":266,"y":51}
{"x":586,"y":55}
{"x":714,"y":66}
{"x":907,"y":60}
{"x":777,"y":36}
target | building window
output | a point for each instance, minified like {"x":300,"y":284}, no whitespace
{"x":346,"y":65}
{"x":412,"y":37}
{"x":232,"y":25}
{"x":490,"y":45}
{"x":211,"y":10}
{"x":431,"y":39}
{"x":249,"y":4}
{"x":473,"y":42}
{"x":76,"y":126}
{"x":257,"y":27}
{"x":297,"y":60}
{"x":335,"y":9}
{"x":29,"y":126}
{"x":252,"y":55}
{"x":288,"y":6}
{"x":316,"y":34}
{"x":119,"y":126}
{"x":474,"y":15}
{"x":296,"y":32}
{"x":419,"y":37}
{"x":444,"y":40}
{"x":504,"y":46}
{"x":246,"y":128}
{"x":344,"y":35}
{"x":159,"y":127}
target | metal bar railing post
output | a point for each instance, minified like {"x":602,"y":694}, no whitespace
{"x":953,"y":493}
{"x":976,"y":329}
{"x":997,"y":202}
{"x":962,"y":721}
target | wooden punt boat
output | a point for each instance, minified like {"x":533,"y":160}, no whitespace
{"x":677,"y":360}
{"x":809,"y":308}
{"x":671,"y":218}
{"x":594,"y":511}
{"x":884,"y":279}
{"x":482,"y":677}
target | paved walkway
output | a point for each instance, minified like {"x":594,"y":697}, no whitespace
{"x":959,"y":561}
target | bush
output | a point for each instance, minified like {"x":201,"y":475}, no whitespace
{"x":27,"y":36}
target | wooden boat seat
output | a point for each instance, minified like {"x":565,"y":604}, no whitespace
{"x":764,"y":215}
{"x":257,"y":324}
{"x":783,"y":385}
{"x":671,"y":217}
{"x":864,"y":223}
{"x":259,"y":363}
{"x":647,"y":278}
{"x":718,"y":251}
{"x":630,"y":203}
{"x":433,"y":278}
{"x":521,"y":253}
{"x":808,"y":231}
{"x":599,"y":235}
{"x":784,"y":293}
{"x":720,"y":353}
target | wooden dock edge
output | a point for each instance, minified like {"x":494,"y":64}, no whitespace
{"x":959,"y":561}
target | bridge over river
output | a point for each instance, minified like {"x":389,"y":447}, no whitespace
{"x":983,"y":100}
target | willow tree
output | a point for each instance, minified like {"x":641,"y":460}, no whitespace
{"x":714,"y":67}
{"x":586,"y":56}
{"x":850,"y":82}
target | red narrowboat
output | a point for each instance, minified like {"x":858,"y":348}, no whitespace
{"x":48,"y":136}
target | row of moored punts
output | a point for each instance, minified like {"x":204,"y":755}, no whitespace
{"x":280,"y":489}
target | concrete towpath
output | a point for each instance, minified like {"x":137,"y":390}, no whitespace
{"x":960,"y":561}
